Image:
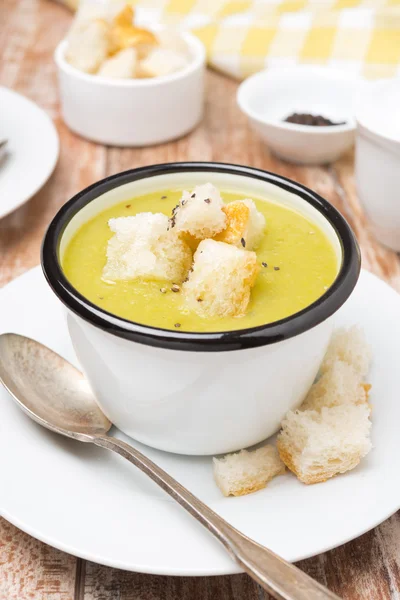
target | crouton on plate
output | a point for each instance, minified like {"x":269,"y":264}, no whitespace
{"x":199,"y":213}
{"x":339,"y":385}
{"x":245,"y":225}
{"x":120,"y":66}
{"x":317,"y":445}
{"x":143,"y":247}
{"x":221,"y":279}
{"x":351,"y":347}
{"x":246,"y":472}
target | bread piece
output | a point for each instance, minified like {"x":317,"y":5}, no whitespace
{"x":199,"y":213}
{"x":221,"y":279}
{"x":108,"y":11}
{"x":130,"y":36}
{"x":245,"y":225}
{"x":142,"y":247}
{"x":88,"y":45}
{"x":162,"y":61}
{"x":171,"y":39}
{"x":124,"y":33}
{"x":246,"y":472}
{"x":124,"y":17}
{"x":339,"y":385}
{"x":120,"y":66}
{"x":319,"y":445}
{"x":349,"y":346}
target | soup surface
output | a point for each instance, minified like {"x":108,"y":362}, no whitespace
{"x":298,"y":264}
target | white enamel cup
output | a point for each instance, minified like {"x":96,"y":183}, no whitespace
{"x":199,"y":393}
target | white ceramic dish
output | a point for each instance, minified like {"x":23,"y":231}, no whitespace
{"x":59,"y":490}
{"x":267,"y":98}
{"x":133,"y":112}
{"x":377,"y":166}
{"x":199,"y":393}
{"x":31,"y":153}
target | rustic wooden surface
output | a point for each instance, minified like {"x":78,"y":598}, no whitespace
{"x":367,"y":568}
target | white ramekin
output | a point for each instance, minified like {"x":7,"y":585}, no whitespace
{"x":133,"y":112}
{"x":377,"y":165}
{"x":199,"y":393}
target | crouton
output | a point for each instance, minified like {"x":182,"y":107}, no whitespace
{"x":121,"y":66}
{"x":199,"y":213}
{"x":162,"y":61}
{"x":171,"y":39}
{"x":349,"y":346}
{"x":124,"y":17}
{"x":88,"y":45}
{"x":143,"y":247}
{"x":319,"y":445}
{"x":245,"y":225}
{"x":130,"y":36}
{"x":246,"y":472}
{"x":339,"y":385}
{"x":221,"y":280}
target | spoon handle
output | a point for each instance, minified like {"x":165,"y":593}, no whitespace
{"x":281,"y":579}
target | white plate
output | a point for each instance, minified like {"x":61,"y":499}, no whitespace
{"x":91,"y":503}
{"x":31,"y":152}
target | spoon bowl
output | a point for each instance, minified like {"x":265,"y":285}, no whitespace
{"x":49,"y":389}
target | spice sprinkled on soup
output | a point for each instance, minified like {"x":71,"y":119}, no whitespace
{"x":200,"y":261}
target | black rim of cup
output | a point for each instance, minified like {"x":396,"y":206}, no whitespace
{"x":262,"y":335}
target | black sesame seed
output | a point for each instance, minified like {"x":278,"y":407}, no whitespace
{"x":207,"y":200}
{"x":243,"y":242}
{"x":177,"y":325}
{"x":277,"y":268}
{"x":128,"y":205}
{"x":264,"y":264}
{"x":183,"y":202}
{"x":163,"y":197}
{"x":193,"y":195}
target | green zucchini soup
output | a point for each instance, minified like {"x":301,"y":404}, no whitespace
{"x":294,"y":264}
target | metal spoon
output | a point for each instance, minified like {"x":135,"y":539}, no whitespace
{"x":56,"y":395}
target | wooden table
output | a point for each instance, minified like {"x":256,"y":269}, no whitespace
{"x":367,"y":568}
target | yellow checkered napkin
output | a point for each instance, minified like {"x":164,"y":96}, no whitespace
{"x":245,"y":36}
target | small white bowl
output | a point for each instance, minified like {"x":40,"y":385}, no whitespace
{"x":377,"y":165}
{"x":267,"y":98}
{"x":133,"y":112}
